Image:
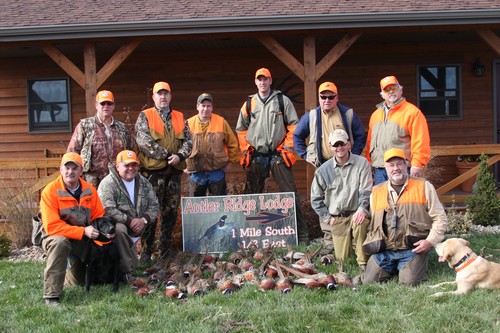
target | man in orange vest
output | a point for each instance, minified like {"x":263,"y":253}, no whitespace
{"x":407,"y":221}
{"x":214,"y":146}
{"x":164,"y":142}
{"x":397,"y":124}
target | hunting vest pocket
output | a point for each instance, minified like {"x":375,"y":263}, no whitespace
{"x":375,"y":241}
{"x":417,"y":231}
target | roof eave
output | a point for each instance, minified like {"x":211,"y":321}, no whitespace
{"x":249,"y":24}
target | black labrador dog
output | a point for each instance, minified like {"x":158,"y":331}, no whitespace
{"x":102,"y":261}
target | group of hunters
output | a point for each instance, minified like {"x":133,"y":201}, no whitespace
{"x":375,"y":206}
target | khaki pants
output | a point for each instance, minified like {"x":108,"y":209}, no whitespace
{"x":57,"y":273}
{"x":348,"y":237}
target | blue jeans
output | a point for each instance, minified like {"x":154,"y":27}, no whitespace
{"x":380,"y":176}
{"x":213,"y":182}
{"x":392,"y":261}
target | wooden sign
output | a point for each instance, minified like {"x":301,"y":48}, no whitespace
{"x":217,"y":224}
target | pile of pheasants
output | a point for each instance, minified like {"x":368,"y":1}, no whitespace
{"x":195,"y":274}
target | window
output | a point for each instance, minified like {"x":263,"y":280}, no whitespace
{"x":439,"y":91}
{"x":48,"y":105}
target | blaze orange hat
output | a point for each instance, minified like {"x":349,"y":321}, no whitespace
{"x":161,"y":86}
{"x":263,"y":71}
{"x":394,"y":152}
{"x":330,"y":86}
{"x":72,"y":157}
{"x":127,"y":157}
{"x":387,"y":81}
{"x":105,"y":96}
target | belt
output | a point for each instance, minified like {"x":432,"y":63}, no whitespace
{"x":344,"y":214}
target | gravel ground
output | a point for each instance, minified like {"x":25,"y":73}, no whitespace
{"x":35,"y":253}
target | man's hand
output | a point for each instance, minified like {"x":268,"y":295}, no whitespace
{"x":422,"y":246}
{"x":91,"y":232}
{"x":358,"y":217}
{"x":173,"y":159}
{"x":415,"y":171}
{"x":137,"y":225}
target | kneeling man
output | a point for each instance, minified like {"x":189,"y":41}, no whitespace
{"x":130,"y":200}
{"x":407,"y":221}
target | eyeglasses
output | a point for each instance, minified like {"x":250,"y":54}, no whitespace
{"x":392,"y":88}
{"x":331,"y":97}
{"x":339,"y":144}
{"x":107,"y":103}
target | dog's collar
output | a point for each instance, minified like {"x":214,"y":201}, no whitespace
{"x":465,"y":261}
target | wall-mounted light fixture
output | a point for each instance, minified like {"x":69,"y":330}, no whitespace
{"x":478,"y":68}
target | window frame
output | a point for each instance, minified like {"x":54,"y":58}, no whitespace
{"x":458,"y":90}
{"x":51,"y":127}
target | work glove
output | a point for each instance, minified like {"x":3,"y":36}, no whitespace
{"x":288,"y":157}
{"x":246,"y":158}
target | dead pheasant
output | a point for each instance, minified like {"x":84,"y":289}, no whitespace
{"x":318,"y":280}
{"x":284,"y":284}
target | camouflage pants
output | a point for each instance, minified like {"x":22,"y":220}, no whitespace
{"x":168,"y":191}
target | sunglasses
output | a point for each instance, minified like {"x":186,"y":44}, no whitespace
{"x":339,"y":144}
{"x":107,"y":103}
{"x":331,"y":97}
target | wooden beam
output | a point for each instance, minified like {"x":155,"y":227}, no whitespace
{"x":490,"y":38}
{"x":90,"y":78}
{"x":475,"y":149}
{"x":335,"y":53}
{"x":74,"y":72}
{"x":282,"y":54}
{"x":310,"y":99}
{"x":460,"y":179}
{"x":116,"y":60}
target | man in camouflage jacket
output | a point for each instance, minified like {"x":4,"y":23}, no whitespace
{"x":129,"y":199}
{"x":99,"y":139}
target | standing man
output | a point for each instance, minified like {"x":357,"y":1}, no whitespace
{"x":407,"y":221}
{"x":265,"y":128}
{"x":340,"y":195}
{"x":68,"y":205}
{"x":99,"y":139}
{"x":318,"y":123}
{"x":130,"y":200}
{"x":214,"y":146}
{"x":397,"y":124}
{"x":164,"y":142}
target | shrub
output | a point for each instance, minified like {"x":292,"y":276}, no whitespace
{"x":18,"y":205}
{"x":5,"y":244}
{"x":458,"y":222}
{"x":484,"y":205}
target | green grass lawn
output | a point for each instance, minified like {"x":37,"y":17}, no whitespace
{"x":385,"y":307}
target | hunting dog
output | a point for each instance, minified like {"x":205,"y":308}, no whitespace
{"x":102,"y":260}
{"x":473,"y":271}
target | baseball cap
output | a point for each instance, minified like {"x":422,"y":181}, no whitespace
{"x":330,"y":86}
{"x":127,"y":157}
{"x":263,"y":71}
{"x":204,"y":96}
{"x":105,"y":96}
{"x":338,"y":135}
{"x":387,"y":81}
{"x":72,"y":157}
{"x":161,"y":86}
{"x":394,"y":152}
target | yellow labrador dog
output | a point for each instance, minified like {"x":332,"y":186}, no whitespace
{"x":473,"y":271}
